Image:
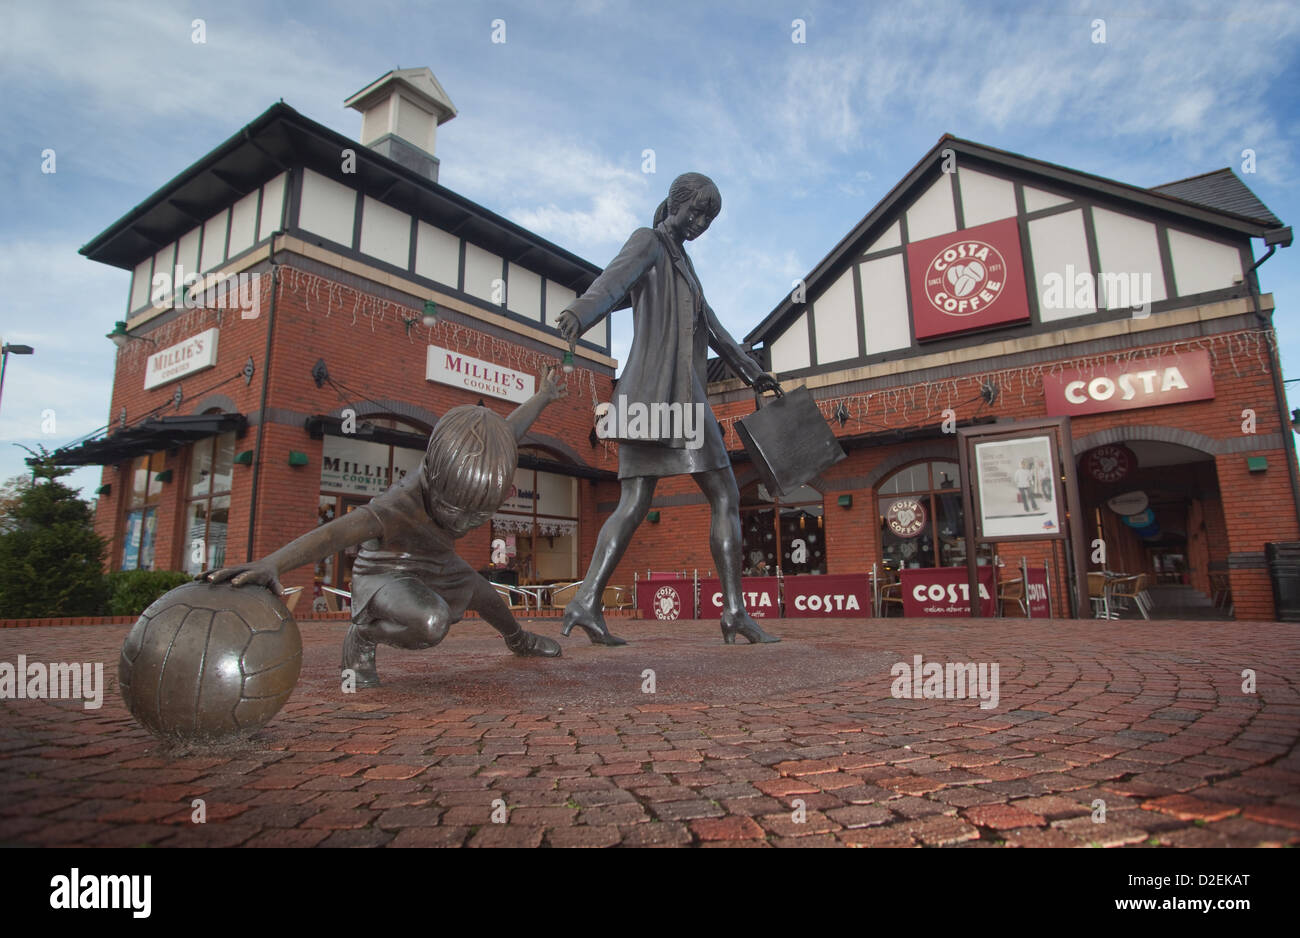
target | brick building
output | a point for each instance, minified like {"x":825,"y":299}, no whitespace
{"x":1089,"y":292}
{"x":985,"y":288}
{"x":302,"y":309}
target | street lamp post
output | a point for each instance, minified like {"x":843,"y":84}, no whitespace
{"x":4,"y":359}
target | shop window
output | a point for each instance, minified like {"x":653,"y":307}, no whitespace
{"x":142,"y":512}
{"x":535,"y":531}
{"x":207,"y":507}
{"x":353,"y":471}
{"x":922,"y":523}
{"x":785,"y":532}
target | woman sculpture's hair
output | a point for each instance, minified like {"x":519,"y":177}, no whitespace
{"x":682,"y":190}
{"x":471,"y":459}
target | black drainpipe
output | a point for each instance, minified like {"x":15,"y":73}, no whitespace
{"x":266,"y":380}
{"x":1279,"y":390}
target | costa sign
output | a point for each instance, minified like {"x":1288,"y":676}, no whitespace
{"x":667,"y":600}
{"x":905,"y":517}
{"x":1109,"y":463}
{"x":1151,"y":382}
{"x":841,"y":595}
{"x":758,"y":592}
{"x":945,"y":591}
{"x":968,"y":279}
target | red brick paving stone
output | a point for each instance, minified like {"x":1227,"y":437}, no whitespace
{"x":814,"y":841}
{"x":1002,"y":816}
{"x":861,"y":816}
{"x":662,"y":834}
{"x":892,"y":836}
{"x":911,"y":784}
{"x":1187,"y":808}
{"x":1276,"y":815}
{"x":395,"y":771}
{"x":734,"y":827}
{"x":778,"y":787}
{"x":784,"y":825}
{"x":507,"y":835}
{"x":1041,"y":837}
{"x":1241,"y":830}
{"x":583,"y":837}
{"x":430,"y":837}
{"x":288,"y":838}
{"x":339,"y":819}
{"x":685,"y":810}
{"x":1106,"y":834}
{"x":803,"y":767}
{"x":544,"y":816}
{"x":1052,"y":807}
{"x":145,"y":811}
{"x":939,"y":830}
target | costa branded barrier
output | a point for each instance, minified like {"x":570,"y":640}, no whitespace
{"x":1040,"y":606}
{"x":760,"y":593}
{"x":842,"y":596}
{"x":668,"y":600}
{"x":945,"y":591}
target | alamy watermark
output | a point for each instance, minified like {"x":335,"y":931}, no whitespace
{"x":637,"y":420}
{"x":952,"y":680}
{"x":1079,"y":290}
{"x":54,"y":681}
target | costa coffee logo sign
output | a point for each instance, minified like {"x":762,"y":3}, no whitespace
{"x":906,"y":517}
{"x":667,"y":603}
{"x":967,"y":280}
{"x":1151,"y":382}
{"x":1109,"y":463}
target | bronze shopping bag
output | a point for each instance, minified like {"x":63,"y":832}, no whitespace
{"x":789,"y":441}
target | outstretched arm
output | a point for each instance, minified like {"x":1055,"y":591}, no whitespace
{"x":352,"y":528}
{"x":609,"y":291}
{"x":523,"y":416}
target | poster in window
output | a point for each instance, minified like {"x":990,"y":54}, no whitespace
{"x":1015,"y":488}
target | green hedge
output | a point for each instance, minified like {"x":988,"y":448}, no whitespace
{"x":131,"y":591}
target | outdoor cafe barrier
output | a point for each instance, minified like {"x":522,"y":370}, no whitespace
{"x":945,"y":591}
{"x":841,"y":596}
{"x":761,"y":593}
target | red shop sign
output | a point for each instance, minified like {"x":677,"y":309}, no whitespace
{"x":968,"y":279}
{"x":839,"y":596}
{"x":759,"y":593}
{"x":1145,"y":382}
{"x":668,"y":600}
{"x":1109,"y":463}
{"x":1036,"y":594}
{"x":945,"y":591}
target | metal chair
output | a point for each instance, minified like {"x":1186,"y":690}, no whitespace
{"x":561,"y":593}
{"x":891,"y":594}
{"x":1099,"y":595}
{"x":1012,"y":591}
{"x":616,"y":597}
{"x":1130,"y":587}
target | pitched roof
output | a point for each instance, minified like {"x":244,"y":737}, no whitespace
{"x":1032,"y":171}
{"x":1223,"y":190}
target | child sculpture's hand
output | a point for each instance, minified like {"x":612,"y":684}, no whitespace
{"x":260,"y":573}
{"x":553,"y":390}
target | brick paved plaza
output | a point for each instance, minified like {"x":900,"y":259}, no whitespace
{"x":1148,"y":717}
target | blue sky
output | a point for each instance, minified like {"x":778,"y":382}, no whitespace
{"x":802,"y":138}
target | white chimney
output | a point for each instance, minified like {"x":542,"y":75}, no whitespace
{"x":400,"y":115}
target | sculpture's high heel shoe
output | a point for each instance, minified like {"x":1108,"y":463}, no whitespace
{"x":592,"y":622}
{"x":359,"y":658}
{"x":744,"y":625}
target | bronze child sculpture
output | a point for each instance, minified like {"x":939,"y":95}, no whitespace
{"x":673,"y":329}
{"x":408,"y":584}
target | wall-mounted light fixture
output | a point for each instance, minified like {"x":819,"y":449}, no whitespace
{"x":120,"y":336}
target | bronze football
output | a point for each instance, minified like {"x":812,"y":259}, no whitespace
{"x":210,"y":662}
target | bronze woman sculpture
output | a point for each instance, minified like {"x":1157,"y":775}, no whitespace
{"x":673,"y":329}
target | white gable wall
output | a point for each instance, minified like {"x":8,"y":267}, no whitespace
{"x":790,"y":350}
{"x":1201,"y":265}
{"x":932,"y":214}
{"x":884,"y":304}
{"x":835,"y":320}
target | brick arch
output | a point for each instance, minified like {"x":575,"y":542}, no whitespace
{"x":555,"y":445}
{"x":1121,"y":434}
{"x":215,"y":401}
{"x":389,"y":408}
{"x":930,"y":449}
